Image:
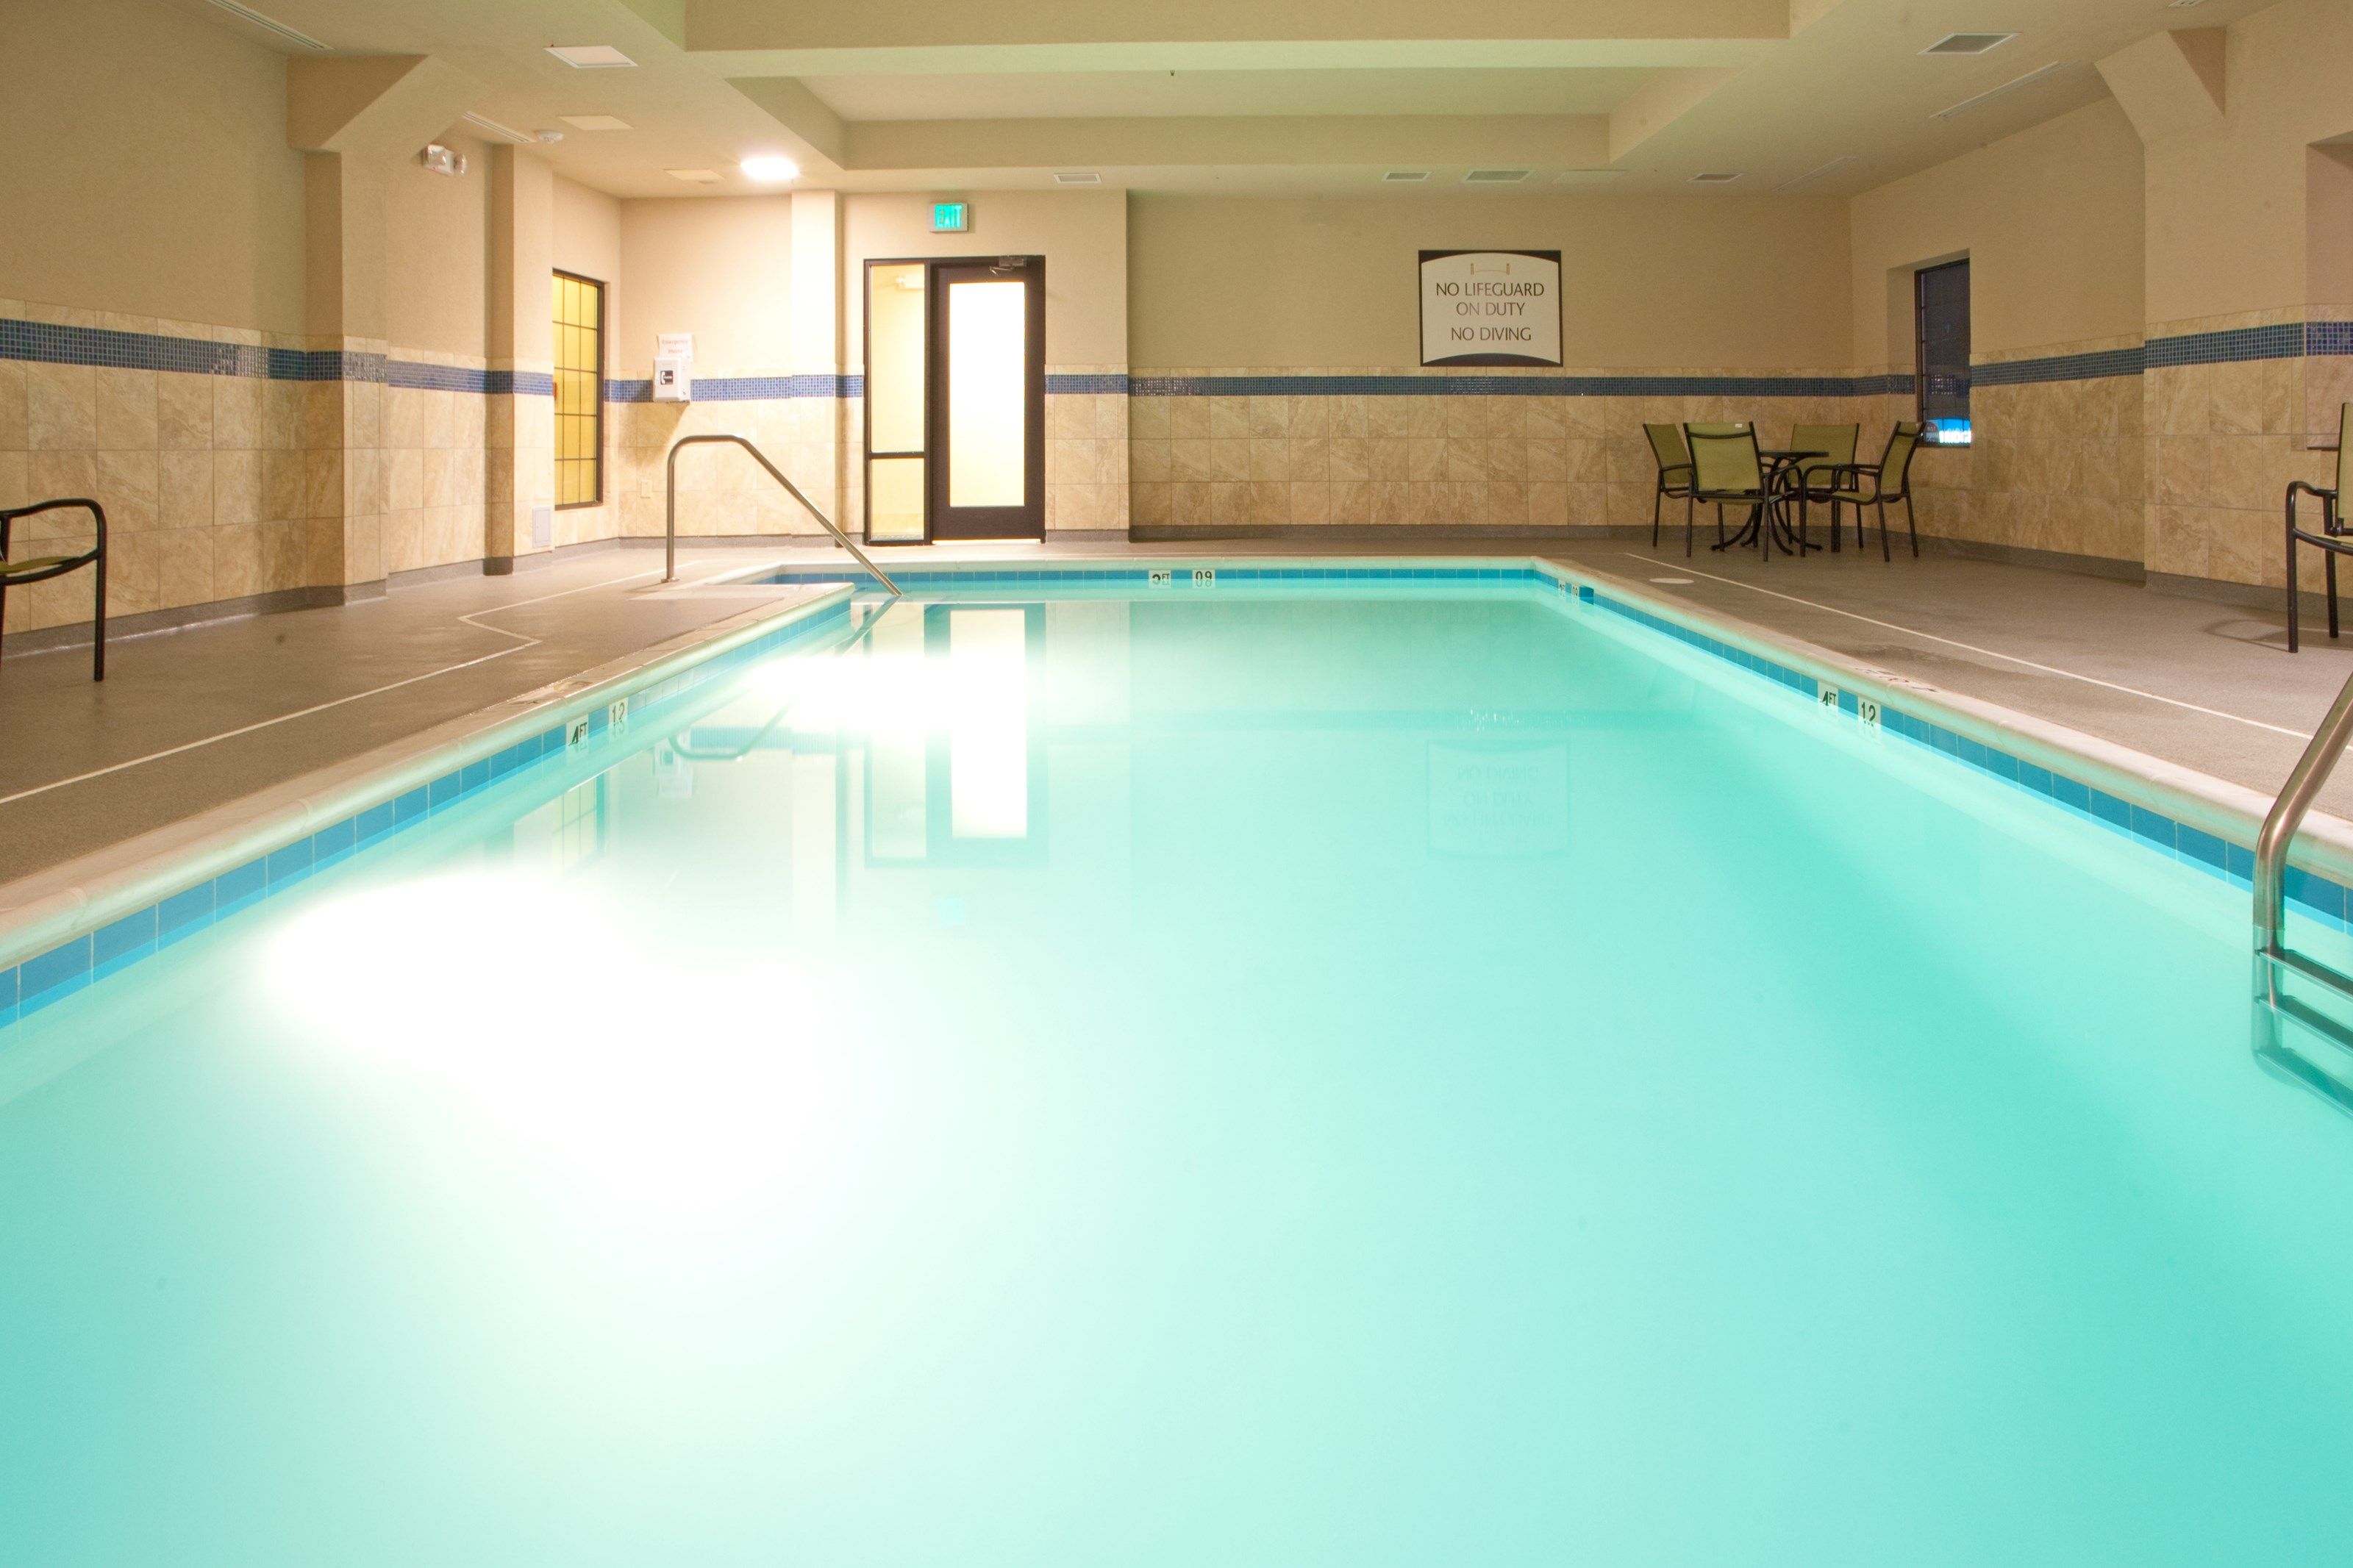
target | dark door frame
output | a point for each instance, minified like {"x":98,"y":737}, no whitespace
{"x":940,"y":520}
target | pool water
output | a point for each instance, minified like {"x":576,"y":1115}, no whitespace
{"x":1239,"y":1078}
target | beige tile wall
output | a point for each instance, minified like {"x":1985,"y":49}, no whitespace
{"x":2053,"y":467}
{"x":2223,"y":441}
{"x":722,"y":492}
{"x":208,"y":481}
{"x":1441,"y":460}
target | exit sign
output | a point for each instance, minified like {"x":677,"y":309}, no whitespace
{"x":951,"y":218}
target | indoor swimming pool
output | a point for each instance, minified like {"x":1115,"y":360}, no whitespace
{"x":1376,"y":1069}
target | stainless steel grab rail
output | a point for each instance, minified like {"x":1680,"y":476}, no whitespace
{"x":2295,"y":797}
{"x":669,"y":513}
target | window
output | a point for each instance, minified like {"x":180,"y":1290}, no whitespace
{"x":579,"y":390}
{"x":1940,"y":296}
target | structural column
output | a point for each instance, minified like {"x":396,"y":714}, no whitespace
{"x":519,"y":489}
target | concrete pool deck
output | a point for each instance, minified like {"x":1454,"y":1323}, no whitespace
{"x":193,"y":718}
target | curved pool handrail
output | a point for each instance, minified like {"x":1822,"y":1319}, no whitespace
{"x":670,"y":510}
{"x":2287,"y":812}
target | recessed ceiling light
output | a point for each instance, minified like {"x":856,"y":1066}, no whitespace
{"x":595,"y":121}
{"x":1072,"y":178}
{"x":271,"y":25}
{"x":770,"y":167}
{"x":590,"y":57}
{"x":1495,"y":176}
{"x":1405,"y":176}
{"x":1967,"y":43}
{"x":1715,"y":179}
{"x":695,"y":176}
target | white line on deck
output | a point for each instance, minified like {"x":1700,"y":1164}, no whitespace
{"x":521,"y":643}
{"x":1992,"y":653}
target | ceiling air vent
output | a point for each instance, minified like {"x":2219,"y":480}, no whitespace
{"x":271,"y":25}
{"x":1714,"y":179}
{"x":585,"y":56}
{"x":1495,"y":176}
{"x":1072,"y":179}
{"x":1404,"y":176}
{"x":1967,"y":43}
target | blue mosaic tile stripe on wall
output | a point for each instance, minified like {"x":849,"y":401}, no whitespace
{"x":74,"y":966}
{"x":45,"y":343}
{"x":2058,"y":367}
{"x":749,"y":388}
{"x":1464,"y":385}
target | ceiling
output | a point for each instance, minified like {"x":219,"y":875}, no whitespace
{"x":1371,"y":90}
{"x":1321,"y":96}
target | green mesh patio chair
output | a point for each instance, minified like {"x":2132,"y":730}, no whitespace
{"x":1674,"y":475}
{"x":1860,"y":485}
{"x":2335,"y":538}
{"x":21,"y":573}
{"x":1815,"y":478}
{"x":1727,"y":470}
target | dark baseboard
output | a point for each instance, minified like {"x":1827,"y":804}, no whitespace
{"x":2247,"y":596}
{"x":1383,"y":534}
{"x":148,"y":622}
{"x":2018,"y":555}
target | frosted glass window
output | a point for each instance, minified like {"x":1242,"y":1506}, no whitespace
{"x":894,"y":374}
{"x":989,"y":404}
{"x":894,"y":500}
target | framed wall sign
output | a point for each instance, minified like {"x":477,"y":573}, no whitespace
{"x":1490,"y":307}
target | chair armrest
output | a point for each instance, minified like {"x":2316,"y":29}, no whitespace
{"x":97,"y":515}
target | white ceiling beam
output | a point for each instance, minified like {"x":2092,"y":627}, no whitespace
{"x":853,"y":25}
{"x":1419,"y":142}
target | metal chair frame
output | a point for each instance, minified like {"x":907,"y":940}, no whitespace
{"x":1880,"y":494}
{"x":1670,"y":488}
{"x":2335,"y":539}
{"x":58,"y":566}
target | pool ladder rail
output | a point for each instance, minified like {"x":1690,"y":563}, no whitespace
{"x":670,"y":510}
{"x":2275,"y":962}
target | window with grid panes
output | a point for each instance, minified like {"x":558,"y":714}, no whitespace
{"x":1941,"y":310}
{"x":579,"y":390}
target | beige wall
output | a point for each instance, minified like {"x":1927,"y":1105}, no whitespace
{"x":587,"y":233}
{"x":2050,"y":219}
{"x":1670,"y":283}
{"x":437,"y":238}
{"x":145,"y":169}
{"x":2226,"y":203}
{"x":1083,"y":235}
{"x":719,"y":268}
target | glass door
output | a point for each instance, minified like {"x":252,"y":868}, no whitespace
{"x":896,"y":357}
{"x":988,"y":340}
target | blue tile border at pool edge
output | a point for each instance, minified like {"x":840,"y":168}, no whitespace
{"x":46,"y":977}
{"x":50,"y":977}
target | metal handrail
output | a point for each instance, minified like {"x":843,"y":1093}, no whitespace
{"x":2295,"y":798}
{"x":670,"y":515}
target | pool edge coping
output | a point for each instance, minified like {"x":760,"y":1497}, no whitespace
{"x":2188,"y":795}
{"x":88,"y":901}
{"x":63,"y":903}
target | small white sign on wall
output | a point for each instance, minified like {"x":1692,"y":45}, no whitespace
{"x":1490,"y":307}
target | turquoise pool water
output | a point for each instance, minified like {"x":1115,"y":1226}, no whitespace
{"x":1343,"y":1078}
